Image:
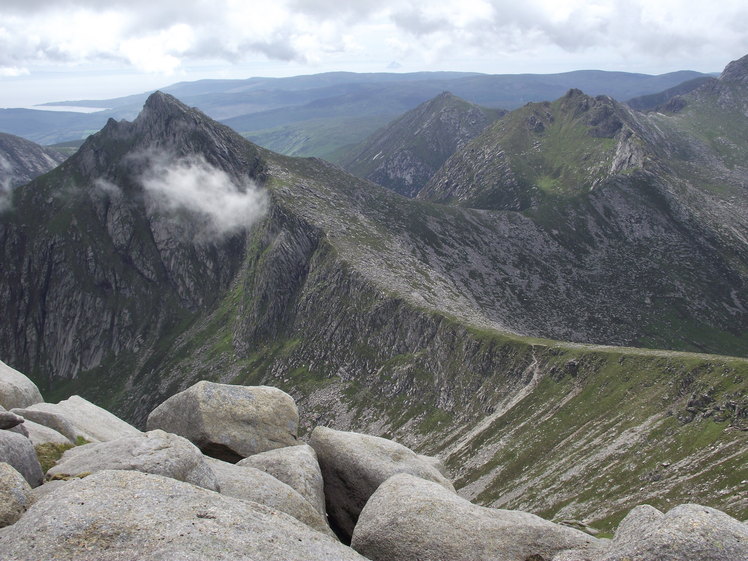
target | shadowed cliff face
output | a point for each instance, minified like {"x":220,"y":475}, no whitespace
{"x":100,"y":259}
{"x":397,"y":316}
{"x":21,"y":161}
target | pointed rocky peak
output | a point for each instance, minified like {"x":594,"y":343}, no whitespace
{"x":736,"y":72}
{"x":161,"y":104}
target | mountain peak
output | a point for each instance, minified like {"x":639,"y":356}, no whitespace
{"x":736,"y":72}
{"x":162,"y":104}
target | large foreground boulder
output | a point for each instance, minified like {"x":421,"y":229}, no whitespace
{"x":230,"y":422}
{"x":155,"y":452}
{"x":126,"y":515}
{"x":296,"y":466}
{"x":18,"y":451}
{"x":91,"y":421}
{"x":685,"y":533}
{"x":15,"y":495}
{"x":410,"y":519}
{"x":250,"y":484}
{"x":16,"y":390}
{"x":353,"y":467}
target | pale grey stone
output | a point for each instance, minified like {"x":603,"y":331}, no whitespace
{"x":15,"y":495}
{"x":127,"y":515}
{"x":54,"y":421}
{"x":230,"y":422}
{"x":354,"y":465}
{"x":39,"y":434}
{"x":46,"y":487}
{"x":91,"y":421}
{"x":437,"y":463}
{"x":411,"y":519}
{"x":155,"y":452}
{"x":18,"y":451}
{"x":248,"y":483}
{"x":16,"y":390}
{"x":685,"y":533}
{"x":296,"y":466}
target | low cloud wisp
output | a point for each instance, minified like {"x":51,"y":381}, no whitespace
{"x":223,"y":205}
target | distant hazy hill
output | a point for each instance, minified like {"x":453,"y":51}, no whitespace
{"x":22,"y":160}
{"x":319,"y":114}
{"x":406,"y":153}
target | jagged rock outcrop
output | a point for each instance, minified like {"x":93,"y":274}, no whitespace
{"x":156,"y":452}
{"x":251,"y":484}
{"x":15,"y":495}
{"x":21,"y":161}
{"x":355,"y":465}
{"x":411,"y":519}
{"x":230,"y":422}
{"x":406,"y":153}
{"x":17,"y":450}
{"x":297,"y":467}
{"x":131,"y":515}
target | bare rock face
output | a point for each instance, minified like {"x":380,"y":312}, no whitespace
{"x":155,"y":452}
{"x":296,"y":466}
{"x":411,"y":519}
{"x":126,"y":515}
{"x":91,"y":421}
{"x":18,"y":451}
{"x":15,"y":495}
{"x":684,"y":533}
{"x":16,"y":390}
{"x":250,"y":484}
{"x":355,"y":465}
{"x":229,"y":422}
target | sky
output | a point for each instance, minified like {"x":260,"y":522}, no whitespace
{"x":53,"y":50}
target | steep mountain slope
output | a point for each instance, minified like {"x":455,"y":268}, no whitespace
{"x":21,"y":161}
{"x":406,"y":153}
{"x":376,"y":312}
{"x":658,"y":200}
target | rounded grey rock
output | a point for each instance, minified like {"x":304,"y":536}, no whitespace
{"x":353,"y":467}
{"x":156,"y":452}
{"x":230,"y":422}
{"x":296,"y":466}
{"x":16,"y":390}
{"x":251,"y":484}
{"x":54,"y":421}
{"x":126,"y":515}
{"x":684,"y":533}
{"x":18,"y":451}
{"x":411,"y":519}
{"x":15,"y":495}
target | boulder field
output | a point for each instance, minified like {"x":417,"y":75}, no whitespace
{"x":222,"y":474}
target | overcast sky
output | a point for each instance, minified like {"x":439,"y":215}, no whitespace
{"x":71,"y":49}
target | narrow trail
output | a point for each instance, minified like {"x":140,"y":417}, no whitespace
{"x":487,"y":421}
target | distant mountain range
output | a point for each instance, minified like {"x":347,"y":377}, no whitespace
{"x":321,"y":114}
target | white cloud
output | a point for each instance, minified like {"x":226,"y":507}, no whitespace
{"x":168,"y":36}
{"x":217,"y":204}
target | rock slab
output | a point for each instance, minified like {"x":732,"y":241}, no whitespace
{"x":410,"y":519}
{"x":92,"y":422}
{"x":156,"y":452}
{"x":250,"y":484}
{"x":353,"y":467}
{"x":126,"y":515}
{"x":296,"y":466}
{"x":230,"y":422}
